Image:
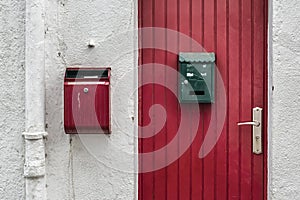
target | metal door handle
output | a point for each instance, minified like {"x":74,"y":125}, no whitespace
{"x":256,"y":129}
{"x":254,"y":123}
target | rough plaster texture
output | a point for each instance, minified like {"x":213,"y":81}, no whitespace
{"x":12,"y":76}
{"x":284,"y":135}
{"x":91,"y":167}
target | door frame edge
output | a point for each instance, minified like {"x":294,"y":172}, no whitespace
{"x":270,"y":90}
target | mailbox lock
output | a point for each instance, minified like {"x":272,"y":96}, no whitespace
{"x":86,"y":90}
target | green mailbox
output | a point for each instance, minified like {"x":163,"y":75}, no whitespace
{"x":197,"y":77}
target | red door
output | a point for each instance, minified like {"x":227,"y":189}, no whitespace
{"x":236,"y":31}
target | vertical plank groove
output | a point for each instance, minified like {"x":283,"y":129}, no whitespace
{"x":258,"y":92}
{"x":216,"y":97}
{"x":191,"y":115}
{"x":165,"y":99}
{"x":252,"y":81}
{"x":228,"y":92}
{"x":178,"y":107}
{"x":159,"y":98}
{"x":140,"y":94}
{"x":172,"y":105}
{"x":240,"y":93}
{"x":201,"y":110}
{"x":246,"y":109}
{"x":233,"y":109}
{"x":153,"y":95}
{"x":147,"y":144}
{"x":209,"y":46}
{"x":221,"y":63}
{"x":184,"y":160}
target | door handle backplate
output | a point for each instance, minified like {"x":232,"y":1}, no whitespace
{"x":256,"y":130}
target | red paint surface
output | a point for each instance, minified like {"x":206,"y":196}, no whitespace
{"x":89,"y":112}
{"x":236,"y":30}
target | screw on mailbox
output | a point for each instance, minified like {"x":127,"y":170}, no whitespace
{"x":86,"y":90}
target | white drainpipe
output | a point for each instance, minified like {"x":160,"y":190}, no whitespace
{"x":34,"y":167}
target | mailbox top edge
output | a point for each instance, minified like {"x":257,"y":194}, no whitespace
{"x":87,"y":72}
{"x":196,"y":57}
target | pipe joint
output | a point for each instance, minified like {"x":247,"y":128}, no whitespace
{"x":35,"y":135}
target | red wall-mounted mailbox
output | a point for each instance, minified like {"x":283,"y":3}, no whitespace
{"x":87,"y":100}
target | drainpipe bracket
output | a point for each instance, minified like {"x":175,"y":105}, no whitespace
{"x":34,"y":135}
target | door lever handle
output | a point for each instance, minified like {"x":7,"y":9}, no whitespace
{"x":256,"y":130}
{"x":254,"y":123}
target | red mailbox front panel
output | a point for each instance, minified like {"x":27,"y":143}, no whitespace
{"x":87,"y":100}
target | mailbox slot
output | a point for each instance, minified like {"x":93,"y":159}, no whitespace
{"x":87,"y":101}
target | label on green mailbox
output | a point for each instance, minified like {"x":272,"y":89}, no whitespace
{"x":197,"y":77}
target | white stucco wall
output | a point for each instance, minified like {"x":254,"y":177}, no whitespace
{"x":12,"y":93}
{"x":91,"y":167}
{"x":74,"y":169}
{"x":285,"y":127}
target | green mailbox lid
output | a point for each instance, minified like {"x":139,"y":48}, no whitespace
{"x":196,"y":57}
